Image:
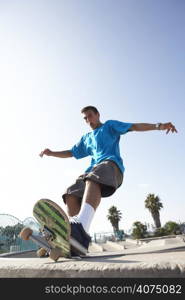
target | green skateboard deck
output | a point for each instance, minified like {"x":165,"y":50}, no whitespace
{"x":54,"y":224}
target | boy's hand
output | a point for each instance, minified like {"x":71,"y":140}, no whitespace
{"x":168,"y":127}
{"x":46,"y":152}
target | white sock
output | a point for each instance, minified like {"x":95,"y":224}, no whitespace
{"x":86,"y":215}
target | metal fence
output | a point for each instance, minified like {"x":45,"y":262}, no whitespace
{"x":16,"y":245}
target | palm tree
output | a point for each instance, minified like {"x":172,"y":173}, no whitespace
{"x":154,"y":205}
{"x":114,"y":217}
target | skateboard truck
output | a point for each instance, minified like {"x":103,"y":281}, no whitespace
{"x":47,"y":233}
{"x":54,"y":253}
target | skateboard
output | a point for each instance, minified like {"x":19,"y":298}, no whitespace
{"x":54,"y":238}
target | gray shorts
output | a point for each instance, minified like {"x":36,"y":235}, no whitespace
{"x":106,"y":173}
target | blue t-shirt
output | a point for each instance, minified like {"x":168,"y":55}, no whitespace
{"x":102,"y":143}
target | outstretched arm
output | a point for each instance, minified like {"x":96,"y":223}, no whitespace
{"x":159,"y":126}
{"x":61,"y":154}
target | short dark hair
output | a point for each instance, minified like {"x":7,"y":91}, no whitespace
{"x":86,"y":108}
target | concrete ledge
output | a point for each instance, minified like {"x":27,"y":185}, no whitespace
{"x":155,"y":265}
{"x":175,"y":238}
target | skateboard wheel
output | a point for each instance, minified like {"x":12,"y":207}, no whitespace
{"x":41,"y":252}
{"x":55,"y":254}
{"x":26,"y":233}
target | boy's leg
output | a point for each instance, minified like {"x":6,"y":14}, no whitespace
{"x":73,"y":205}
{"x":90,"y":202}
{"x":92,"y":194}
{"x":104,"y":179}
{"x":73,"y":195}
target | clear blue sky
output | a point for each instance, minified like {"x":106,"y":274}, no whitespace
{"x":125,"y":57}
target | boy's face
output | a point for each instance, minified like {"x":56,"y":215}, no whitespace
{"x":91,"y":118}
